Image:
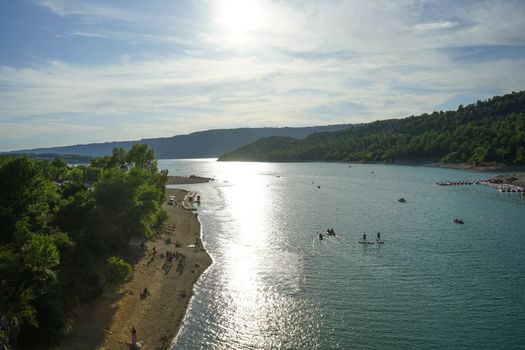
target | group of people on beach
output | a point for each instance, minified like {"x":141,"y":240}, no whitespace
{"x":170,"y":256}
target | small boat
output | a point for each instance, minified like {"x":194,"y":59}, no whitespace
{"x":402,"y":200}
{"x":459,"y":221}
{"x":187,"y":205}
{"x":190,"y":196}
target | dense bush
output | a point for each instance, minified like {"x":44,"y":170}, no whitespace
{"x":118,"y":269}
{"x":57,"y":223}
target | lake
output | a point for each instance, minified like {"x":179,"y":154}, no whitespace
{"x":433,"y":284}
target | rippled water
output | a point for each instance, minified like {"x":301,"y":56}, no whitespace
{"x":432,"y":285}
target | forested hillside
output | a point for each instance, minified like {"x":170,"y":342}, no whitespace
{"x":489,"y":131}
{"x":68,"y":158}
{"x":63,"y":232}
{"x":202,"y":144}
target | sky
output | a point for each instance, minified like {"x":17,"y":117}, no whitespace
{"x":74,"y":71}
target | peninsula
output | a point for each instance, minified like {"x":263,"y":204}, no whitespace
{"x":184,"y":180}
{"x":88,"y":252}
{"x":106,"y":322}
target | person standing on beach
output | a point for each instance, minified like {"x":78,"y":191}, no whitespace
{"x":197,"y":245}
{"x":133,"y":336}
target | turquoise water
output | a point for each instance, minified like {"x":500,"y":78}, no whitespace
{"x":432,"y":285}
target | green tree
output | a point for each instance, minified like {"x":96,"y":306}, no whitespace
{"x":142,"y":157}
{"x":53,"y":236}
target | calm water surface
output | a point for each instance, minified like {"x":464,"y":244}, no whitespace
{"x":432,"y":285}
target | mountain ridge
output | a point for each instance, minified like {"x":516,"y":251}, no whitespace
{"x":200,"y":144}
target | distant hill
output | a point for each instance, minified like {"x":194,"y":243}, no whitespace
{"x":489,"y":131}
{"x":69,"y":158}
{"x":202,"y":144}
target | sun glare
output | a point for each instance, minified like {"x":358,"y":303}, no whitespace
{"x":240,"y":16}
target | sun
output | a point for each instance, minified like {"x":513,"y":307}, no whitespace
{"x":240,"y":16}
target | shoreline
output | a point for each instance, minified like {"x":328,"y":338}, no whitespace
{"x":491,"y":168}
{"x":186,"y":180}
{"x":105,"y":323}
{"x":507,"y":183}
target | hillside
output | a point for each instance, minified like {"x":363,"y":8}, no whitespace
{"x":488,"y":131}
{"x":69,"y":158}
{"x":202,"y":144}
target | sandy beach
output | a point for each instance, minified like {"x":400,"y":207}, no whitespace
{"x":192,"y":179}
{"x":507,"y":183}
{"x":106,"y":322}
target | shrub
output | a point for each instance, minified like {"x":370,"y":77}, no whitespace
{"x":161,"y":217}
{"x":119,"y":270}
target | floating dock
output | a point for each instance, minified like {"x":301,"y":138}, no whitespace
{"x":499,"y":186}
{"x":457,"y":183}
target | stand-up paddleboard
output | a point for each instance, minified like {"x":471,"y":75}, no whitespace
{"x":370,"y":242}
{"x":365,"y":242}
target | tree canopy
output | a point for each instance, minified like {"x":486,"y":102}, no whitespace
{"x":57,"y":222}
{"x":489,"y":131}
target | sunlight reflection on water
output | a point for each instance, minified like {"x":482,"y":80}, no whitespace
{"x":274,"y":285}
{"x":257,"y":272}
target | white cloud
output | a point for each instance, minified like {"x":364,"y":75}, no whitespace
{"x":90,"y":9}
{"x":391,"y":59}
{"x":436,"y":25}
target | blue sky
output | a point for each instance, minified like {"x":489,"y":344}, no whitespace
{"x":74,"y":71}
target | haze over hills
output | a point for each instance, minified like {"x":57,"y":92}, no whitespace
{"x":202,"y":144}
{"x":488,"y":131}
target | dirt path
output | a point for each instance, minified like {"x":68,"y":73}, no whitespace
{"x":106,"y":323}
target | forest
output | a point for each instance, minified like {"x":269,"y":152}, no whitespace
{"x":72,"y":159}
{"x":64,"y":232}
{"x":491,"y":131}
